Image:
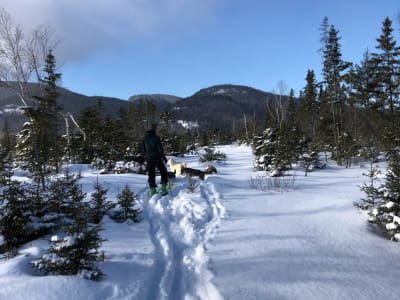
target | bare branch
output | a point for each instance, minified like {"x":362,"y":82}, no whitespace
{"x":22,"y":57}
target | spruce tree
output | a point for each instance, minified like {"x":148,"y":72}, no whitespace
{"x":15,"y":217}
{"x":308,"y":106}
{"x":77,"y":253}
{"x":37,"y":143}
{"x":270,"y":153}
{"x":98,"y":203}
{"x":127,"y":203}
{"x":333,"y":72}
{"x":372,"y":192}
{"x":387,"y":77}
{"x":77,"y":250}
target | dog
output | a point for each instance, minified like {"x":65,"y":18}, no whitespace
{"x":193,"y":172}
{"x":210,"y":170}
{"x":176,"y":167}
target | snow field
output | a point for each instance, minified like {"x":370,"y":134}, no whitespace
{"x":228,"y":241}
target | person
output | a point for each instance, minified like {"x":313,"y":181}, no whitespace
{"x":155,"y":158}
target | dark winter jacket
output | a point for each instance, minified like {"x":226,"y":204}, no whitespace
{"x":153,"y":148}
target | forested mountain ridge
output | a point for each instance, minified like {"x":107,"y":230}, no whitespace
{"x":70,"y":102}
{"x":222,"y":105}
{"x":216,"y":106}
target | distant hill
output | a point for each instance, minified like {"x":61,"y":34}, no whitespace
{"x":221,"y":105}
{"x":74,"y":103}
{"x":216,"y":106}
{"x":159,"y":100}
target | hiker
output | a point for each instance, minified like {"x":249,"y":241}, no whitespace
{"x":155,"y":158}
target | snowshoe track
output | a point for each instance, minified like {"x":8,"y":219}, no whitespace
{"x":180,"y":229}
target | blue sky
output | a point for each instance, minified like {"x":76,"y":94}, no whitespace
{"x":120,"y":48}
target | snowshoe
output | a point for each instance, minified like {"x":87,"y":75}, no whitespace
{"x":164,"y":190}
{"x":153,"y":191}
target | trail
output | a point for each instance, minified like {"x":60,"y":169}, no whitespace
{"x":181,"y":225}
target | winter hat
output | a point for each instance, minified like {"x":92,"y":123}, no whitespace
{"x":153,"y":126}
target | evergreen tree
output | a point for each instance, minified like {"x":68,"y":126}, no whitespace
{"x":38,"y":140}
{"x":15,"y":218}
{"x":127,"y":203}
{"x":387,"y":77}
{"x":372,"y":193}
{"x":308,"y":106}
{"x":98,"y":203}
{"x":270,"y":152}
{"x":77,"y":253}
{"x":65,"y":196}
{"x":333,"y":68}
{"x":392,"y":185}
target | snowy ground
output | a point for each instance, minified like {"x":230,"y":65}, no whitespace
{"x":229,"y":241}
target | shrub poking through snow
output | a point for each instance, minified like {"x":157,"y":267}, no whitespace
{"x":276,"y":184}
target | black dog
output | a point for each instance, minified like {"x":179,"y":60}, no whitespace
{"x":193,"y":172}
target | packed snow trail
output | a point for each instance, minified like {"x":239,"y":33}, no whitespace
{"x":180,"y":228}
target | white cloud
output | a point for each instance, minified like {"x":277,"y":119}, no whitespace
{"x":84,"y":26}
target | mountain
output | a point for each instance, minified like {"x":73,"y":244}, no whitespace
{"x":71,"y":102}
{"x":216,"y":106}
{"x":159,"y":100}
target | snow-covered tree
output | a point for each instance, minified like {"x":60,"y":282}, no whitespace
{"x":387,"y":213}
{"x":15,"y":219}
{"x":269,"y":152}
{"x":126,"y":204}
{"x":372,"y":191}
{"x":99,"y":204}
{"x":78,"y":251}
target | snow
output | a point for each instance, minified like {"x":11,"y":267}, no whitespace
{"x":188,"y":124}
{"x":227,"y":240}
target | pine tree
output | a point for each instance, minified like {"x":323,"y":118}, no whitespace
{"x":65,"y":195}
{"x":15,"y":218}
{"x":372,"y":192}
{"x":270,"y":152}
{"x":392,"y":185}
{"x":37,"y":143}
{"x":78,"y":251}
{"x":308,"y":106}
{"x":333,"y":68}
{"x":127,"y":203}
{"x":98,"y":203}
{"x":387,"y":64}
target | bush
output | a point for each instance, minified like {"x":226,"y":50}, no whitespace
{"x":277,"y":184}
{"x":210,"y":154}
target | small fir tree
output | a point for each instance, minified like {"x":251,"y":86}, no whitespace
{"x":127,"y":202}
{"x":98,"y":203}
{"x":372,"y":192}
{"x":269,"y":152}
{"x":15,"y":219}
{"x":78,"y":252}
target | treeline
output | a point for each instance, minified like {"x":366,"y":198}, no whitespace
{"x":353,"y":115}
